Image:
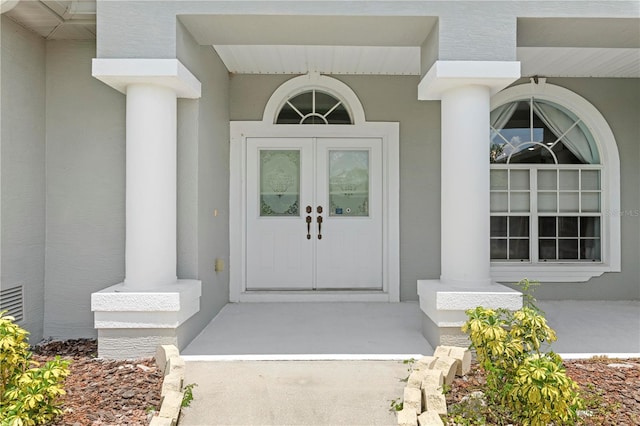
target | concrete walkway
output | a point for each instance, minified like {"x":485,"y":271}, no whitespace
{"x":237,"y":385}
{"x":293,"y":392}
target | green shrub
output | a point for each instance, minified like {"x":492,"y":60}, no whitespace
{"x":29,"y":392}
{"x":531,"y":384}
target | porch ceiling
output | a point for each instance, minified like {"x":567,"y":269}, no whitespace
{"x":278,"y":44}
{"x":327,"y":44}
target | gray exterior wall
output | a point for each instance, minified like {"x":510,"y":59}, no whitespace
{"x":618,"y":100}
{"x":22,"y":154}
{"x":126,"y":29}
{"x":203,"y":182}
{"x":386,"y":98}
{"x":85,"y":188}
{"x":395,"y":99}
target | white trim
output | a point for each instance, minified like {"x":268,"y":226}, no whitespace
{"x":170,"y":73}
{"x":611,"y":355}
{"x":446,"y":75}
{"x":300,"y":84}
{"x":302,"y":357}
{"x":389,"y":133}
{"x":610,"y":160}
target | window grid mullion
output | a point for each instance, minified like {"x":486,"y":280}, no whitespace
{"x":533,"y":216}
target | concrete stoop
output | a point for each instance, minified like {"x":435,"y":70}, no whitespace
{"x":168,"y":360}
{"x":424,"y":401}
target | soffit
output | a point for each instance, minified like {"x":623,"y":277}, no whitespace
{"x":309,"y":30}
{"x":57,"y":19}
{"x":579,"y":47}
{"x":384,"y":45}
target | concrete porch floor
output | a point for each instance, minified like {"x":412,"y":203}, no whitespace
{"x":312,"y":331}
{"x":255,"y":331}
{"x":340,"y":363}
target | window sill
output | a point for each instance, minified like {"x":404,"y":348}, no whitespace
{"x":511,"y":273}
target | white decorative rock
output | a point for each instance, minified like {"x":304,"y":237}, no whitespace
{"x":436,"y":402}
{"x":413,"y":399}
{"x":176,"y":365}
{"x":432,"y":379}
{"x":430,"y":418}
{"x":464,"y":356}
{"x":441,"y":351}
{"x":415,"y":379}
{"x":425,"y":363}
{"x":171,"y":405}
{"x":171,"y":383}
{"x":163,"y":353}
{"x":407,"y":417}
{"x":448,"y":366}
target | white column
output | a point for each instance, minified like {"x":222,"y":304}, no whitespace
{"x":151,"y":158}
{"x":465,"y":185}
{"x":464,"y":89}
{"x":147,"y":310}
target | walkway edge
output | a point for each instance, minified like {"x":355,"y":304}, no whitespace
{"x":302,"y":357}
{"x":172,"y":365}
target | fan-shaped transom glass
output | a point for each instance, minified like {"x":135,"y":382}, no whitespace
{"x":313,"y":107}
{"x":538,"y":131}
{"x":546,"y":191}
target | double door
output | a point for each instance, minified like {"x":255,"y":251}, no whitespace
{"x":314,"y":214}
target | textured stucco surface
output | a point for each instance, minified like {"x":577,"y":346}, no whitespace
{"x":85,"y":188}
{"x":395,"y":99}
{"x":126,"y":29}
{"x":23,"y":172}
{"x":203,"y":157}
{"x":618,"y":100}
{"x":386,"y":99}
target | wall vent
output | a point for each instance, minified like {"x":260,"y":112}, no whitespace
{"x":12,"y":300}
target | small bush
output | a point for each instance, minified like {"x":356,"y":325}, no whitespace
{"x":29,"y":392}
{"x":532,"y":385}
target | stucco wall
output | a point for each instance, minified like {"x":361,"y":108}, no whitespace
{"x":619,"y":103}
{"x":203,"y":161}
{"x":386,"y":98}
{"x":85,"y":188}
{"x":395,"y":99}
{"x":126,"y":29}
{"x":23,"y":172}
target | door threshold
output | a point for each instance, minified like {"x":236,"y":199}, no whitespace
{"x":314,"y":296}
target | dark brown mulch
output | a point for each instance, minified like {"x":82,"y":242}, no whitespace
{"x":104,"y":392}
{"x":610,"y":388}
{"x":101,"y":392}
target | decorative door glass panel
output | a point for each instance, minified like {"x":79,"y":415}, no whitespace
{"x":279,"y":182}
{"x":349,"y":183}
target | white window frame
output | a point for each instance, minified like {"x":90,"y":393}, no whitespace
{"x":573,"y":271}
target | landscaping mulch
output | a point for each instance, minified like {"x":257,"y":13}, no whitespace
{"x":610,"y":388}
{"x":104,"y":392}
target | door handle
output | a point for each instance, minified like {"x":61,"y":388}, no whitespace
{"x":309,"y":227}
{"x":319,"y":220}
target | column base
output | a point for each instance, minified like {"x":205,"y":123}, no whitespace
{"x":443,"y":306}
{"x":132,"y":323}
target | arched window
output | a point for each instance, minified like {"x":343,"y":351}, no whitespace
{"x":554,"y":184}
{"x":313,"y":107}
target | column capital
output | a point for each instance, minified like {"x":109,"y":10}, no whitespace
{"x":169,"y":73}
{"x":446,"y":75}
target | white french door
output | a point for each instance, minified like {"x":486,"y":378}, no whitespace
{"x":314,"y":214}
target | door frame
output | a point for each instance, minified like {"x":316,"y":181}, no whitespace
{"x":389,"y":133}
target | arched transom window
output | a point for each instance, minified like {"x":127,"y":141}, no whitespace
{"x":552,"y":185}
{"x":313,"y":107}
